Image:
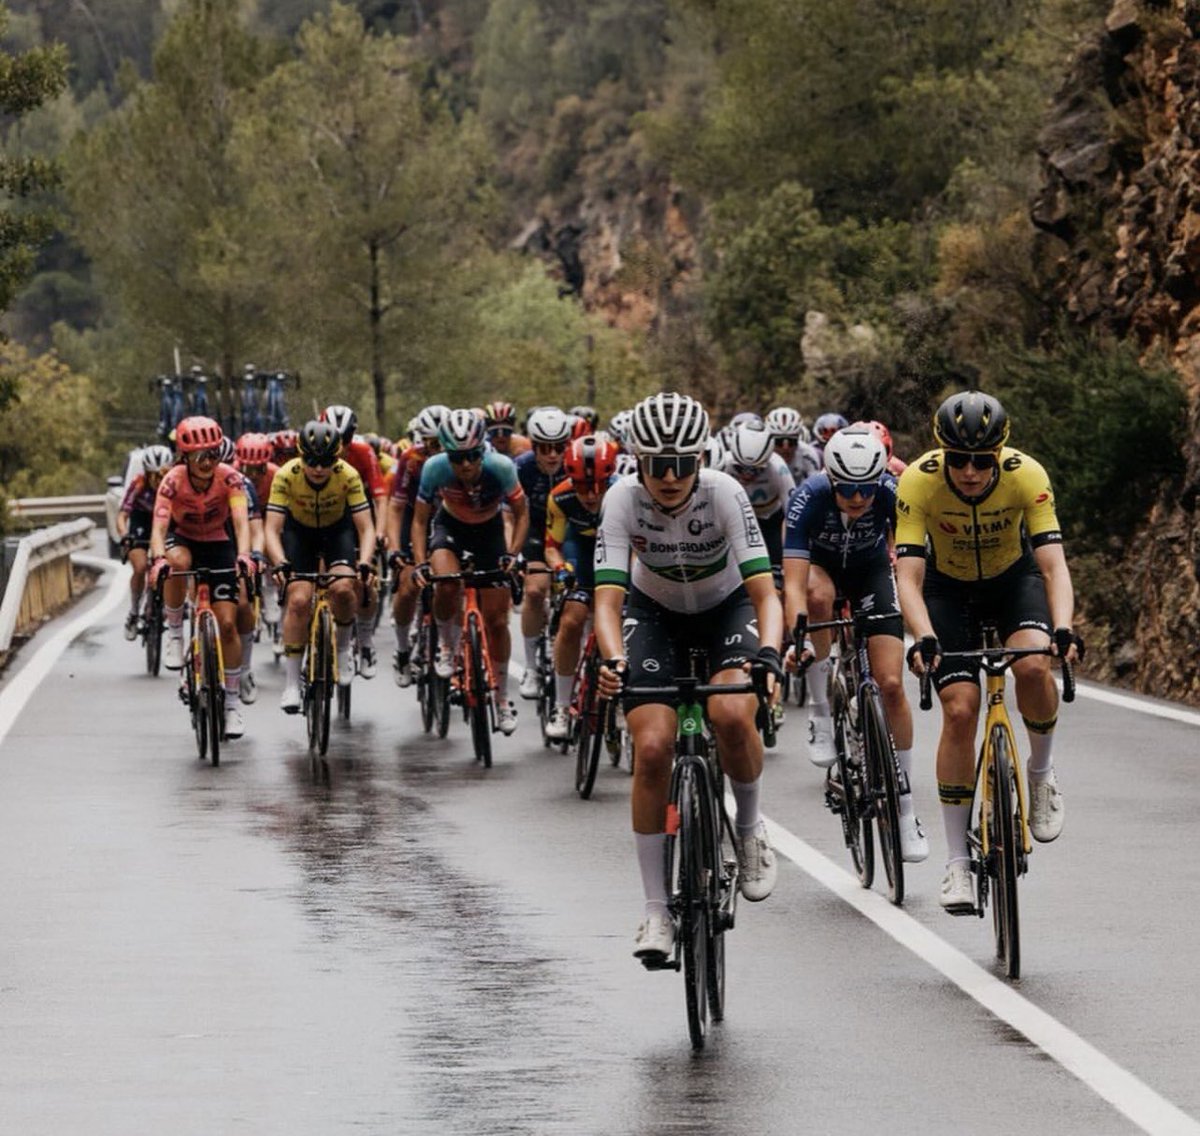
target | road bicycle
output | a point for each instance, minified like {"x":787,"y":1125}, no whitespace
{"x":203,"y":687}
{"x":171,"y":406}
{"x":319,"y":667}
{"x":546,"y":695}
{"x":596,"y":723}
{"x":433,"y":691}
{"x":868,"y":783}
{"x":195,"y":388}
{"x":152,"y":625}
{"x":700,"y":858}
{"x":275,"y":383}
{"x":998,"y":838}
{"x":473,"y":684}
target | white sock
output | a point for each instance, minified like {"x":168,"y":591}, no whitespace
{"x":650,"y":854}
{"x":291,"y":669}
{"x":402,"y":637}
{"x":1040,"y":765}
{"x":247,"y":649}
{"x":531,"y":646}
{"x":232,"y":696}
{"x":562,"y":689}
{"x":366,"y":632}
{"x":342,"y":634}
{"x":174,"y":616}
{"x":449,"y":633}
{"x":818,"y":687}
{"x":746,"y":794}
{"x":956,"y":819}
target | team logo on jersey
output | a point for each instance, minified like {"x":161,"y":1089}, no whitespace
{"x":930,"y":465}
{"x":639,"y":542}
{"x":651,"y":666}
{"x":1041,"y":498}
{"x":946,"y":527}
{"x":696,"y":526}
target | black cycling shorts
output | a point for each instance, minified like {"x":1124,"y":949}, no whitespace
{"x":140,"y":523}
{"x":657,"y":640}
{"x":871,"y":590}
{"x":1014,"y":601}
{"x":212,"y":554}
{"x":485,"y":541}
{"x":305,"y":547}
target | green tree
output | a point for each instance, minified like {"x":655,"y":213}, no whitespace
{"x":367,"y":209}
{"x":27,"y":81}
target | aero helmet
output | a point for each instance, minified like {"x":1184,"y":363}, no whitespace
{"x":549,"y":425}
{"x":855,"y":453}
{"x":752,"y":445}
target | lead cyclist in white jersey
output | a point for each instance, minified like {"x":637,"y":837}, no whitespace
{"x":700,"y":553}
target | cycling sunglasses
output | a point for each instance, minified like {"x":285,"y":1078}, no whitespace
{"x":471,"y":455}
{"x":206,"y":455}
{"x":318,"y":463}
{"x":865,"y":489}
{"x":960,"y":459}
{"x":783,"y":440}
{"x":500,"y":431}
{"x":550,"y":447}
{"x":745,"y":471}
{"x":681,"y":465}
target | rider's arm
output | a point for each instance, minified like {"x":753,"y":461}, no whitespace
{"x":272,"y":536}
{"x":256,"y":534}
{"x":766,"y":607}
{"x":394,"y":514}
{"x":520,"y":529}
{"x":365,"y":527}
{"x":162,"y":516}
{"x":795,"y":589}
{"x":609,"y":602}
{"x":1060,"y":594}
{"x":910,"y":579}
{"x":420,"y":528}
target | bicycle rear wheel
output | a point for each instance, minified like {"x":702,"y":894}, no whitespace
{"x":545,"y":683}
{"x":593,"y":721}
{"x":856,"y":821}
{"x":720,"y":898}
{"x":478,"y":694}
{"x":212,"y":688}
{"x":883,"y":787}
{"x":687,"y":889}
{"x":1004,"y":834}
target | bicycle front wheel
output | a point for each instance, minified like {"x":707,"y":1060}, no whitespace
{"x":154,"y":635}
{"x":883,"y":787}
{"x":1004,"y":834}
{"x":686,"y":885}
{"x":424,"y":655}
{"x":211,"y":685}
{"x":193,"y":670}
{"x":320,"y":690}
{"x":478,"y":695}
{"x":855,"y":815}
{"x":590,"y":738}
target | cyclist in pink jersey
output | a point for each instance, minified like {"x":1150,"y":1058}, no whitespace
{"x":201,"y":521}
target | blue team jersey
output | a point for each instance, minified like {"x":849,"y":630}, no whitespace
{"x":816,"y":528}
{"x":537,"y":486}
{"x":471,"y":504}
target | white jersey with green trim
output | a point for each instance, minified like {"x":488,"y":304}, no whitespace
{"x":689,"y":562}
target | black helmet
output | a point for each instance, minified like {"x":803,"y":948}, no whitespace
{"x":319,"y":443}
{"x":970,"y":420}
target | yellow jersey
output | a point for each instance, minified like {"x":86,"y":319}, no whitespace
{"x":317,"y":506}
{"x":974,"y":538}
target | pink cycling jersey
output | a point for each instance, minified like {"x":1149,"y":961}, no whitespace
{"x":201,"y":514}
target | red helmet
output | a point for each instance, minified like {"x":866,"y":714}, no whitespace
{"x":591,"y":461}
{"x":254,"y":449}
{"x":581,"y":428}
{"x":500,"y":413}
{"x":286,"y":444}
{"x":881,"y":432}
{"x":197,"y":433}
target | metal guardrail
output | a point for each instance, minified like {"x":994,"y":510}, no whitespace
{"x":86,"y":505}
{"x":40,"y":579}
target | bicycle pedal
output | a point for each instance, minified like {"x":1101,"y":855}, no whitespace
{"x":658,"y":962}
{"x":963,"y":909}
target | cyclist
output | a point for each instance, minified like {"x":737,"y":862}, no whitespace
{"x":283,"y":446}
{"x":538,"y":471}
{"x":134,"y":520}
{"x":501,"y":418}
{"x":824,"y":428}
{"x":977,"y":539}
{"x":318,"y":515}
{"x":472,"y":482}
{"x":764,"y":475}
{"x":896,"y":465}
{"x":572,"y":515}
{"x":589,"y":414}
{"x":201,"y":521}
{"x":618,"y":430}
{"x":701,"y":578}
{"x":837,"y":543}
{"x":400,"y":513}
{"x":361,"y":457}
{"x":791,"y":443}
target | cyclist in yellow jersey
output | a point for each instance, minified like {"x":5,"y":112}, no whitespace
{"x":977,"y":538}
{"x":317,"y":515}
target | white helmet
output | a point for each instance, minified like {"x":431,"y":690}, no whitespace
{"x":784,"y":422}
{"x":855,"y":453}
{"x":744,"y":416}
{"x":548,"y":424}
{"x":668,"y":423}
{"x":157,"y":458}
{"x":715,"y":452}
{"x":429,"y":421}
{"x":752,"y":444}
{"x":619,"y":426}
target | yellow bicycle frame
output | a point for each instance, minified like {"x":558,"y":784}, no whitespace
{"x":997,"y":715}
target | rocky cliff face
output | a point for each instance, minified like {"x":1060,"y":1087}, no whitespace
{"x":1121,"y":156}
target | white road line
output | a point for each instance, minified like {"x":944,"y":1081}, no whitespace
{"x":1136,"y":1100}
{"x":17,"y":692}
{"x":1141,"y":705}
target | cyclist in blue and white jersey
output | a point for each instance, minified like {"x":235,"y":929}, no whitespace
{"x":701,"y":578}
{"x":840,"y":524}
{"x":765,"y":477}
{"x":791,"y":443}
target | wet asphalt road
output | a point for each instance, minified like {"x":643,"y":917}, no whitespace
{"x":417,"y":945}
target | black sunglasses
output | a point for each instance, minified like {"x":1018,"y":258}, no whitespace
{"x":960,"y":459}
{"x":847,"y":489}
{"x":471,"y":455}
{"x":206,"y":455}
{"x":681,"y":465}
{"x":318,"y":463}
{"x":500,"y":431}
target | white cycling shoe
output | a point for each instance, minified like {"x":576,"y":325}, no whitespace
{"x":173,"y":653}
{"x":529,"y":684}
{"x":914,"y":844}
{"x":655,"y":940}
{"x":821,"y":750}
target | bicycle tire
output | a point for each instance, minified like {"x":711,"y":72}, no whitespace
{"x":343,"y":702}
{"x":592,"y":725}
{"x":478,"y":694}
{"x":199,"y":715}
{"x":856,"y":826}
{"x":884,"y":789}
{"x":211,"y":671}
{"x":545,"y":681}
{"x":425,"y":653}
{"x":1003,"y":833}
{"x":687,"y":891}
{"x":154,"y":636}
{"x":320,"y":686}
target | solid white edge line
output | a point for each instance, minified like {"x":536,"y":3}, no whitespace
{"x":16,"y":692}
{"x":1151,"y":1112}
{"x":1142,"y":706}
